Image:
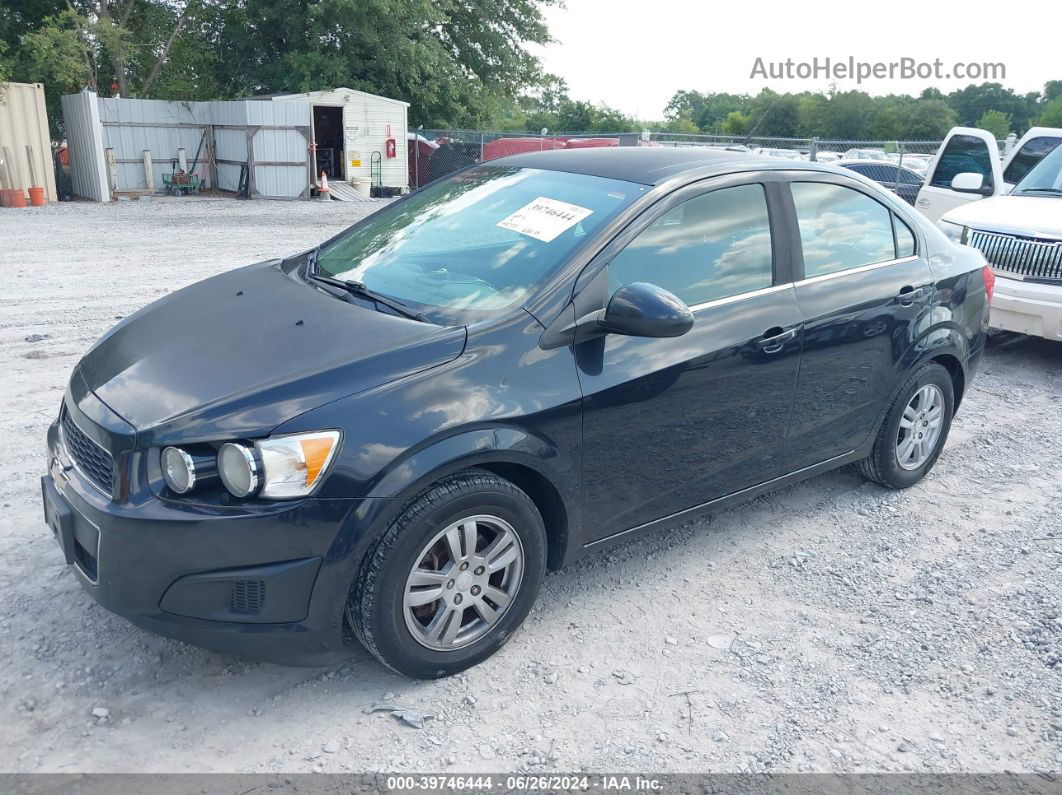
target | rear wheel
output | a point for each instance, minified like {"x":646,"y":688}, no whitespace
{"x":914,"y":431}
{"x":451,"y":578}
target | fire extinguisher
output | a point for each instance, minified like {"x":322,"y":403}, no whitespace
{"x":389,"y":146}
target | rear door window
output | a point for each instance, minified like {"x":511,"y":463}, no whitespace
{"x":841,"y":228}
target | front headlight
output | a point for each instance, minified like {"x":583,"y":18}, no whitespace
{"x":956,"y":233}
{"x":293,"y":465}
{"x":239,"y":468}
{"x":184,"y":471}
{"x":278,"y":468}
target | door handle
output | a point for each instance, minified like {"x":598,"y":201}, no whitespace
{"x":774,"y":339}
{"x":909,"y":294}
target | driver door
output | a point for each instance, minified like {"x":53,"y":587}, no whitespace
{"x":966,"y":149}
{"x":672,"y":423}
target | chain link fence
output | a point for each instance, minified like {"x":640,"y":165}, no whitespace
{"x":900,"y":165}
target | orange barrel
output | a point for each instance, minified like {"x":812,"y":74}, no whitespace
{"x":16,"y":198}
{"x":36,"y":195}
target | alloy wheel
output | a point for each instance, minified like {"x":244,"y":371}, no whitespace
{"x":463,"y":581}
{"x":920,"y":427}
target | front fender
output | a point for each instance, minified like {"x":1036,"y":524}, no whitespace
{"x":493,"y":445}
{"x":410,"y":474}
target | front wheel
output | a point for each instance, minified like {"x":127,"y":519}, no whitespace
{"x":452,"y":577}
{"x":914,"y":431}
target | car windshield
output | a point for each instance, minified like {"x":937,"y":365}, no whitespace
{"x":1045,"y":178}
{"x":478,"y":242}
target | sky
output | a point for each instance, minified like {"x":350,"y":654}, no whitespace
{"x":633,"y":55}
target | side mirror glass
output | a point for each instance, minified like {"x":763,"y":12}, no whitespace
{"x":645,"y":310}
{"x":968,"y":182}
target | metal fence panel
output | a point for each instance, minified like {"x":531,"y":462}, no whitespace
{"x":436,"y":153}
{"x":219,"y":140}
{"x":280,"y":147}
{"x":133,"y":126}
{"x":84,"y":137}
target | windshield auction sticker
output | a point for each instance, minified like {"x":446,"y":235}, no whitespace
{"x":544,"y":219}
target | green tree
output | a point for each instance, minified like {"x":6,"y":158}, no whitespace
{"x":683,"y":125}
{"x":886,"y":122}
{"x":1052,"y":90}
{"x":847,"y":115}
{"x":928,"y":120}
{"x":995,"y":122}
{"x":457,"y":63}
{"x":736,"y":123}
{"x":1051,"y":116}
{"x":971,"y":102}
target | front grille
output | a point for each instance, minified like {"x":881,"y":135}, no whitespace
{"x":248,"y":596}
{"x":92,"y":461}
{"x":1027,"y":257}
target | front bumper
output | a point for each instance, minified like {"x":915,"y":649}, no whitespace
{"x":268,"y":583}
{"x":1027,"y":308}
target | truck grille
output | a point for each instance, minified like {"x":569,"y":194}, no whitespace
{"x":1028,"y":257}
{"x":91,"y":460}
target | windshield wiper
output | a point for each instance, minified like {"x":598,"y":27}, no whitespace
{"x":359,"y":289}
{"x":1041,"y":190}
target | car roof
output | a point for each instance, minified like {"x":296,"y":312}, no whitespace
{"x":647,"y":165}
{"x":857,"y":162}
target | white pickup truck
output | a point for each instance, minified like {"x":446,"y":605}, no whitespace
{"x":1011,"y":210}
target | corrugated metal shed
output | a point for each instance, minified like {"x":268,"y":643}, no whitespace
{"x":24,"y":122}
{"x":269,"y":137}
{"x":369,"y":120}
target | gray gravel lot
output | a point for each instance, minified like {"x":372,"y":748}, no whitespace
{"x":832,"y":626}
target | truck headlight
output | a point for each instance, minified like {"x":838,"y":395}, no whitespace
{"x":278,"y":468}
{"x":956,"y":233}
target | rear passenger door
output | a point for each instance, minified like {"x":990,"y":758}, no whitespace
{"x":862,"y":285}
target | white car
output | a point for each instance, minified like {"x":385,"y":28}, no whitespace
{"x":784,"y":154}
{"x":865,"y":154}
{"x":1020,"y":234}
{"x":968,"y":150}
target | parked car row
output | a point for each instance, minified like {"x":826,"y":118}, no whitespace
{"x":1010,"y":209}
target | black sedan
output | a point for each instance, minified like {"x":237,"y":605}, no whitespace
{"x":904,"y":182}
{"x":399,"y":432}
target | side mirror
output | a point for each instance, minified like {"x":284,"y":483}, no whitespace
{"x":645,"y":310}
{"x":968,"y":182}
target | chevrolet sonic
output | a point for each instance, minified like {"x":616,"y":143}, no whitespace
{"x":393,"y":436}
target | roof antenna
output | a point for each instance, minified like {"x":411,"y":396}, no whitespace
{"x":759,"y":121}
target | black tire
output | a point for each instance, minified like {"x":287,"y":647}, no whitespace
{"x":882,"y":465}
{"x":375,"y":607}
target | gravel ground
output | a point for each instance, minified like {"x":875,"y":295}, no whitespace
{"x":831,"y":626}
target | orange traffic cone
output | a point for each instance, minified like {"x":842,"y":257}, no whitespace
{"x":322,"y":188}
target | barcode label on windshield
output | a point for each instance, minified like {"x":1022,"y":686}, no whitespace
{"x":545,"y":219}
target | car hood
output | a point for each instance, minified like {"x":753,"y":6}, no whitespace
{"x":240,"y":353}
{"x":1034,"y":216}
